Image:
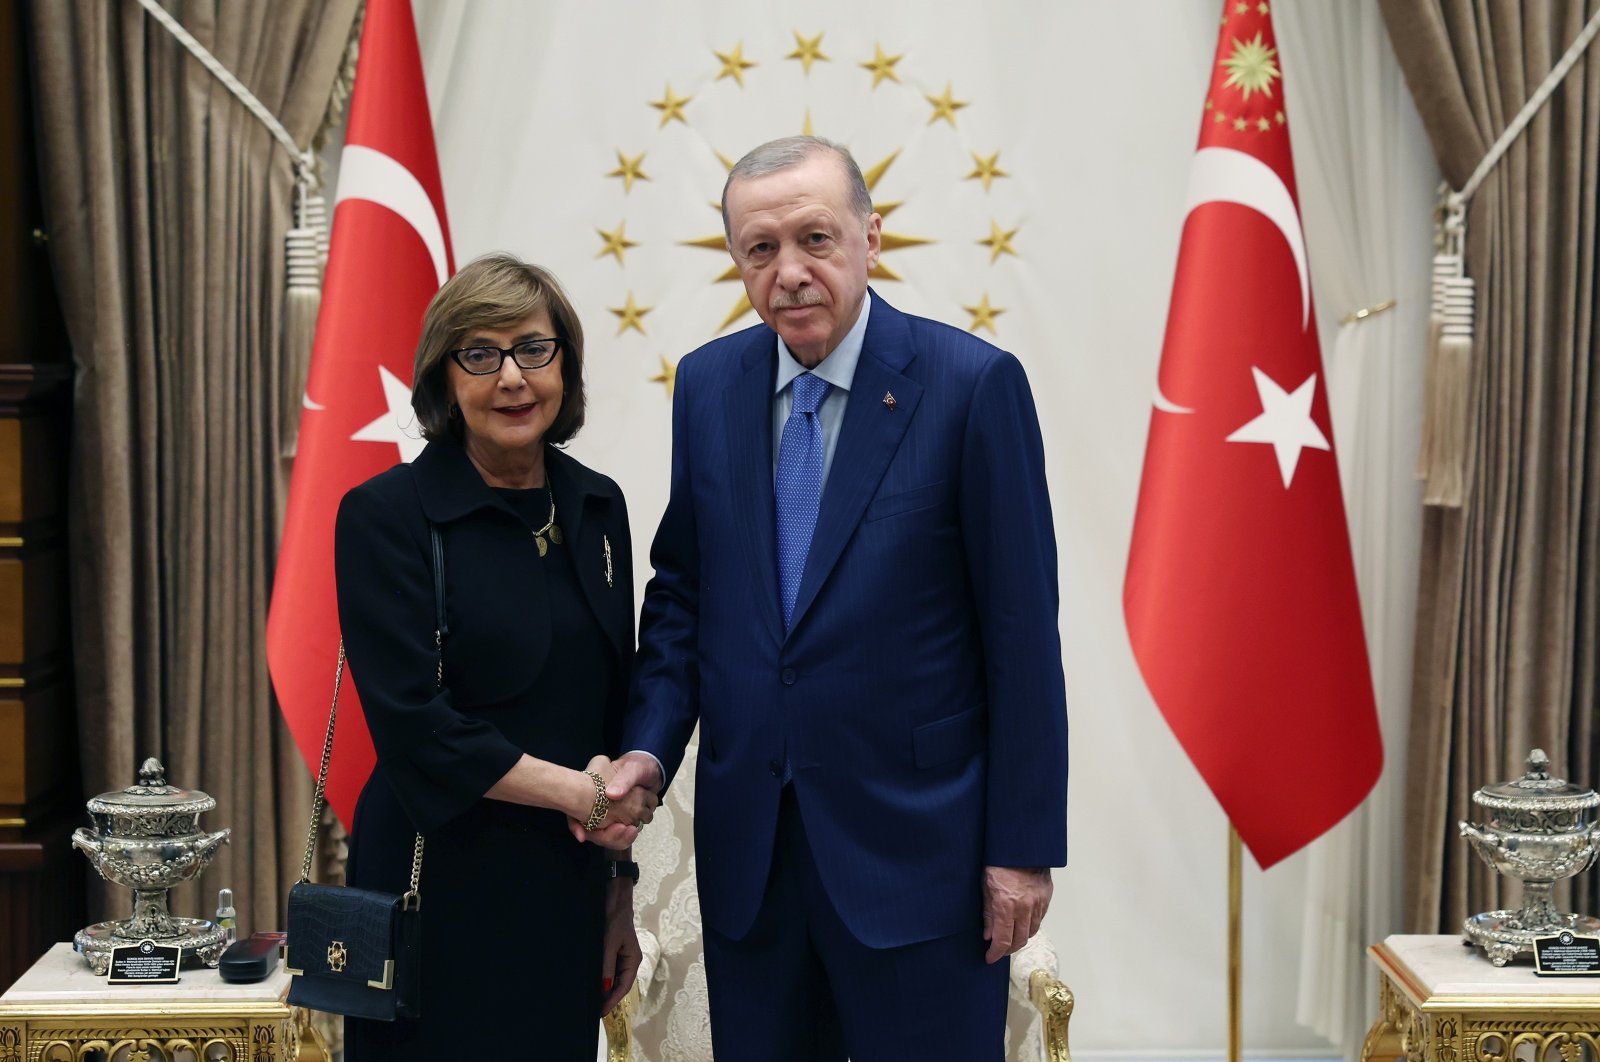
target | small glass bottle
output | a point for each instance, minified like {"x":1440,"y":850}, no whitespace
{"x":227,"y":917}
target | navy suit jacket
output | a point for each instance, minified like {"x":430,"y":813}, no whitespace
{"x":918,"y":694}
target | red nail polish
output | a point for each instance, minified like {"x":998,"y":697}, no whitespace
{"x":607,"y":983}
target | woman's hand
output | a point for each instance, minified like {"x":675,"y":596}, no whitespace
{"x":619,"y":963}
{"x":623,"y":820}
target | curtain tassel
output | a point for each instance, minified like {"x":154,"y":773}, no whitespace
{"x":1441,"y":460}
{"x":306,"y":245}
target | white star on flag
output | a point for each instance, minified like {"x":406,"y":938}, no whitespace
{"x":391,"y":426}
{"x":1285,"y":422}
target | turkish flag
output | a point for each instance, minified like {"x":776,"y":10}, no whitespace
{"x":1241,"y":595}
{"x":389,"y":252}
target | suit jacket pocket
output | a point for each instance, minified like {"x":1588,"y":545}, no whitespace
{"x":904,"y":501}
{"x":953,"y":737}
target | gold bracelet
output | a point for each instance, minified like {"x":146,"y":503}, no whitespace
{"x":602,"y":803}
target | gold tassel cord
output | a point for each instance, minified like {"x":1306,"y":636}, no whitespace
{"x":1357,"y":316}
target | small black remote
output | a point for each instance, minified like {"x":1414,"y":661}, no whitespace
{"x":251,"y":959}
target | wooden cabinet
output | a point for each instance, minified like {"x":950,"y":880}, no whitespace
{"x":42,"y":881}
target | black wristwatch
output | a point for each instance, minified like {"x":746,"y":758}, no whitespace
{"x":623,"y":868}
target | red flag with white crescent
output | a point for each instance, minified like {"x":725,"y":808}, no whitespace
{"x":388,"y":254}
{"x":1240,"y":595}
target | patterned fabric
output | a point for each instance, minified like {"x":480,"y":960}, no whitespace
{"x":797,"y":487}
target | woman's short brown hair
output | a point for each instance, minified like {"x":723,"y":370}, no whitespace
{"x":493,"y":291}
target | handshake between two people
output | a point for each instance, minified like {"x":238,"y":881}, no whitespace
{"x":633,"y":786}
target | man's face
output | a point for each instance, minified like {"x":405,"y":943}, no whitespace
{"x":802,"y":252}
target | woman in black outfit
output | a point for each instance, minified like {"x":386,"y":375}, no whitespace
{"x":527,"y":934}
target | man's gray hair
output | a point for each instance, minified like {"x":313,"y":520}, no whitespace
{"x":789,"y":151}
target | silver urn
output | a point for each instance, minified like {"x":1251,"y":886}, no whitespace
{"x":1538,"y":830}
{"x":147,"y":837}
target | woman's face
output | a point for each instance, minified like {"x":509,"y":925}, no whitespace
{"x":511,"y":409}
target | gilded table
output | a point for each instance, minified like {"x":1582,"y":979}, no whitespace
{"x":59,"y":1011}
{"x":1439,"y":1001}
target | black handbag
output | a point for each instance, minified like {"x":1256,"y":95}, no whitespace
{"x":357,"y":952}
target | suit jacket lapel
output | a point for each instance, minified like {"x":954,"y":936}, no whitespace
{"x":867,"y":441}
{"x":747,"y":403}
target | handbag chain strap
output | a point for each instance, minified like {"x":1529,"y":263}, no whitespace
{"x":413,"y":897}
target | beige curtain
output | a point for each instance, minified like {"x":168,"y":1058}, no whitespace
{"x":1509,"y":603}
{"x":167,"y":204}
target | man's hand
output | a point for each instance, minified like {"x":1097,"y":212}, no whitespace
{"x":634,"y":769}
{"x":1014,"y":903}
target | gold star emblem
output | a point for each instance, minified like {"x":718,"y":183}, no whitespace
{"x":668,"y":376}
{"x":734,"y":64}
{"x":1263,"y":125}
{"x":1279,"y":118}
{"x":882,"y":66}
{"x":987,"y":169}
{"x":1239,"y":124}
{"x":944,"y":106}
{"x":671,"y":107}
{"x":999,"y":242}
{"x":808,"y":51}
{"x":983,"y":314}
{"x":616,"y":243}
{"x":1263,"y":8}
{"x":1251,"y":67}
{"x":1240,"y":9}
{"x":1218,"y":116}
{"x":630,"y":315}
{"x":629,"y":170}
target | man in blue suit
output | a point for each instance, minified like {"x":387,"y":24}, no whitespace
{"x":856,"y":598}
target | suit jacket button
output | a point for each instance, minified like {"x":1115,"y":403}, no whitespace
{"x":788,"y":676}
{"x":776,"y":768}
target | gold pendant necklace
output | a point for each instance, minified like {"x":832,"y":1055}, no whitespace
{"x":549,"y":527}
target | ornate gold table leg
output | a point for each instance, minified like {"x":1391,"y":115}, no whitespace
{"x":619,"y":1027}
{"x":1383,"y":1041}
{"x":1055,"y":1003}
{"x":1397,"y":1033}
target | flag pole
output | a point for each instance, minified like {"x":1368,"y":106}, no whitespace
{"x":1235,"y":949}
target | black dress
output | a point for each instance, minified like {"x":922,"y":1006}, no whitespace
{"x":535,"y":661}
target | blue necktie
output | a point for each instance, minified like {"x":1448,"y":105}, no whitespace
{"x":797,"y":487}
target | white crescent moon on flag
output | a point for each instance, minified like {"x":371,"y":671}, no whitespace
{"x":365,"y":173}
{"x":1223,"y":175}
{"x":377,"y":178}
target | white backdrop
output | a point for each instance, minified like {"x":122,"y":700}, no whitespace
{"x":1094,"y":109}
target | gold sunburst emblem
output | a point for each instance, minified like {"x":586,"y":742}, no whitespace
{"x":882,"y":75}
{"x":1252,"y":67}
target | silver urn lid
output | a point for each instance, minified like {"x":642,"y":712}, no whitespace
{"x":149,"y":807}
{"x":1537,"y":802}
